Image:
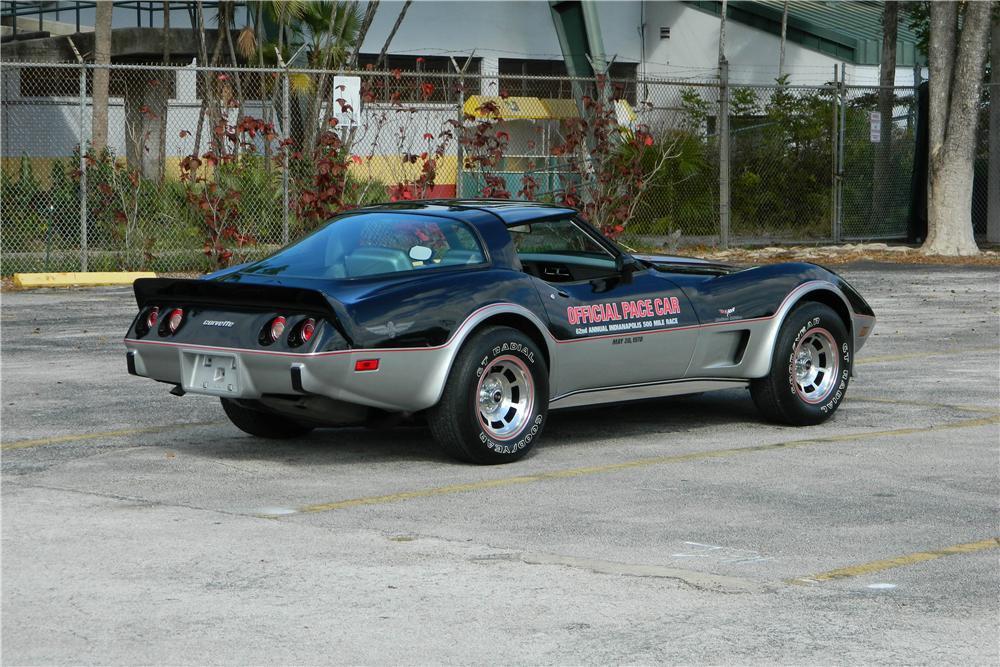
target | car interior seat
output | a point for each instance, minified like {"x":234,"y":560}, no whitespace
{"x":372,"y":260}
{"x":460,"y":256}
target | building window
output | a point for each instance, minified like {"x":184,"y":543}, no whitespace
{"x":518,"y":77}
{"x":65,"y":82}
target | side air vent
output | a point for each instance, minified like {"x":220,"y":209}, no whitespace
{"x":664,"y":32}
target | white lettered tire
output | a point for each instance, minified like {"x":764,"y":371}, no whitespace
{"x":496,"y":399}
{"x":810,"y":368}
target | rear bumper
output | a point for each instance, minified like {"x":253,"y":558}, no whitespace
{"x":407,"y":380}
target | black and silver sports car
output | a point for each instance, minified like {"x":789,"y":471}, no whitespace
{"x":483,"y":316}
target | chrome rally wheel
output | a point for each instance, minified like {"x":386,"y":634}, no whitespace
{"x":817,"y":365}
{"x":810,"y":367}
{"x":506,"y":397}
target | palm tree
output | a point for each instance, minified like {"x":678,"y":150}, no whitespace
{"x":324,"y":35}
{"x":330,"y":30}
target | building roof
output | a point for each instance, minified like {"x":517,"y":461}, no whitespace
{"x":850,"y":31}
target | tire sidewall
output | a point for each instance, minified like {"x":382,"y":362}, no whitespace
{"x":799,"y":322}
{"x":477,"y":358}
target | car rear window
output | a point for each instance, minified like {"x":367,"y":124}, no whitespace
{"x":367,"y":244}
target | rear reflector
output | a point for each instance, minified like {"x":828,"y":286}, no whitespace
{"x":366,"y":365}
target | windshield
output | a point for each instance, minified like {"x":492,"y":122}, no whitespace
{"x":367,"y":244}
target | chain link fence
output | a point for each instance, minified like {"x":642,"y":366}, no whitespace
{"x":203,"y":167}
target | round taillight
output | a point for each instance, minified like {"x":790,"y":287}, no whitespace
{"x":175,"y":320}
{"x":307,"y":330}
{"x":153,"y":317}
{"x":277,"y":327}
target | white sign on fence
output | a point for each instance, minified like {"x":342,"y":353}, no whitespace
{"x":347,"y":100}
{"x":875,"y":127}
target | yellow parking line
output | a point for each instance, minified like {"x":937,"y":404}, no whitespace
{"x":927,"y":404}
{"x":40,"y":442}
{"x":919,"y":355}
{"x":900,"y":561}
{"x":628,"y":465}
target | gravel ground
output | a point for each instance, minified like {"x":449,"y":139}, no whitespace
{"x":138,"y":527}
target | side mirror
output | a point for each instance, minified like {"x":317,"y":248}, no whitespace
{"x":624,"y":267}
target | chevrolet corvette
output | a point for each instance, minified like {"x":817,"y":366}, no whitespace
{"x":481,"y":316}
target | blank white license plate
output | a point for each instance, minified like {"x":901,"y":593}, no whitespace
{"x":217,"y":373}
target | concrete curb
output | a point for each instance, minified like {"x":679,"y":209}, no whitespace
{"x":91,"y":279}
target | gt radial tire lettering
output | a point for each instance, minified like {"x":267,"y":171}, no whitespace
{"x":513,"y":346}
{"x":845,"y":376}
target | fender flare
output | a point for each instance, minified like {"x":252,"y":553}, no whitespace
{"x":469,"y":326}
{"x":760,"y":364}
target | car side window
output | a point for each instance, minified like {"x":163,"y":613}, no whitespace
{"x":560,"y":251}
{"x":356,"y":245}
{"x":556,"y":236}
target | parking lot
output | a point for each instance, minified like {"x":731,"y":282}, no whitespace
{"x":139,"y":527}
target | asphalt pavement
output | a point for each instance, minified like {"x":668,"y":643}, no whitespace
{"x":139,"y":527}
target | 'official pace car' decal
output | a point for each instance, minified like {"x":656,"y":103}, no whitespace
{"x":632,"y":315}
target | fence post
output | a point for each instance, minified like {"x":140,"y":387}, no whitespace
{"x":838,"y":223}
{"x":287,"y":132}
{"x":724,"y":153}
{"x":459,"y":153}
{"x":83,"y":168}
{"x":835,"y":154}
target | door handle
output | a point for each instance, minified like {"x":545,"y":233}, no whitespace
{"x":564,"y":295}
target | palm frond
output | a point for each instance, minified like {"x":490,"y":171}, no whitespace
{"x":301,"y":83}
{"x":246,"y":42}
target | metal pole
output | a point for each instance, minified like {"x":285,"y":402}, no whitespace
{"x":838,"y":225}
{"x":48,"y":238}
{"x":459,"y":153}
{"x":834,"y":154}
{"x":285,"y":120}
{"x":83,"y":168}
{"x":724,"y":154}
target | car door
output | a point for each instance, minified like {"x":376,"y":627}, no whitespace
{"x":616,"y":322}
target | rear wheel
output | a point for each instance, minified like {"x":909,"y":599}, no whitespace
{"x":496,"y":399}
{"x":262,"y":423}
{"x":810,"y":368}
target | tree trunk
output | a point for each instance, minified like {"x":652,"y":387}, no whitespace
{"x":166,"y":92}
{"x":392,"y":33}
{"x":199,"y":28}
{"x":882,"y":181}
{"x":993,"y":180}
{"x":102,"y":75}
{"x":722,"y":33}
{"x":952,"y":147}
{"x":370,"y":10}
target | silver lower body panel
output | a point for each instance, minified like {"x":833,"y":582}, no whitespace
{"x":642,"y":391}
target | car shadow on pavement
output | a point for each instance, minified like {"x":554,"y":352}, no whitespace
{"x":412,"y":441}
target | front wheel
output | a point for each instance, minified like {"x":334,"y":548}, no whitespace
{"x":261,"y":423}
{"x":496,"y":398}
{"x":810,"y":368}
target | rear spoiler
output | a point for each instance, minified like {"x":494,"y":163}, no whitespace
{"x":216,"y":293}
